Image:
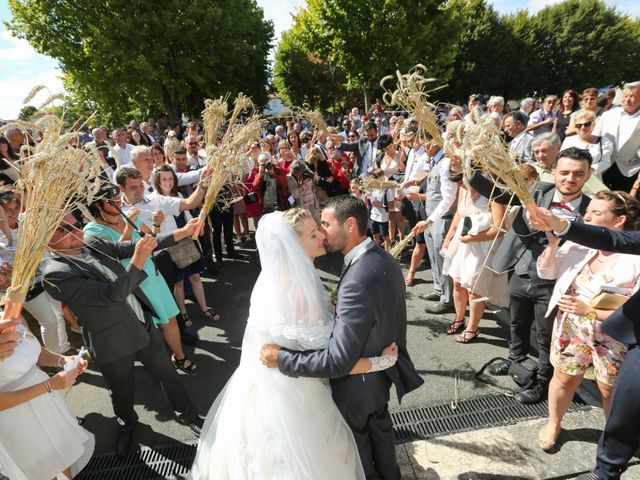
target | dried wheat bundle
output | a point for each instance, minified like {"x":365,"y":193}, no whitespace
{"x":371,"y":183}
{"x":55,"y":179}
{"x":241,"y":103}
{"x":213,"y":117}
{"x":411,"y":95}
{"x":397,"y":249}
{"x":225,"y":160}
{"x":316,"y":119}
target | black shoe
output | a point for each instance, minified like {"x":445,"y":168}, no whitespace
{"x":432,"y":297}
{"x":195,"y":424}
{"x":123,"y":442}
{"x":439,"y":308}
{"x":535,"y":394}
{"x":588,"y":476}
{"x":234,"y":255}
{"x":500,"y":368}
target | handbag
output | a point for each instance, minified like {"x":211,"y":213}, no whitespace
{"x":608,"y":300}
{"x":184,"y":253}
{"x":524,"y":373}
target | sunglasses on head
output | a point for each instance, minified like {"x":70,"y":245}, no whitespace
{"x":585,"y":124}
{"x":69,"y":227}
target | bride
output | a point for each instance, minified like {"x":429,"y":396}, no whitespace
{"x":266,"y":425}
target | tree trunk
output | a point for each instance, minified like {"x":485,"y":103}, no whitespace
{"x":366,"y":101}
{"x":171,"y":107}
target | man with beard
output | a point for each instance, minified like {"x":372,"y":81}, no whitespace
{"x":519,"y":251}
{"x":370,"y":314}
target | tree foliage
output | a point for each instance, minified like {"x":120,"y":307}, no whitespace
{"x":369,"y":40}
{"x":27,"y":112}
{"x":146,"y":56}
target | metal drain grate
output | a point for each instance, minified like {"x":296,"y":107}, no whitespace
{"x":150,"y":463}
{"x":415,"y":423}
{"x":487,"y":411}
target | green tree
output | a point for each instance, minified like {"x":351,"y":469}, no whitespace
{"x":369,"y":40}
{"x":303,"y":78}
{"x":27,"y":112}
{"x":490,"y":58}
{"x":584,"y":43}
{"x":149,"y":56}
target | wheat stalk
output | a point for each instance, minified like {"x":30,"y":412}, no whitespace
{"x":397,"y":249}
{"x":371,"y":183}
{"x":411,"y":95}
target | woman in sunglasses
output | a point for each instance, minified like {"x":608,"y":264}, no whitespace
{"x":599,"y":148}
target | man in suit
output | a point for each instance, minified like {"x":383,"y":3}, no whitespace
{"x":116,"y":316}
{"x":520,"y":249}
{"x":370,"y":314}
{"x":621,"y":126}
{"x":365,"y":149}
{"x":621,"y":436}
{"x":515,"y":126}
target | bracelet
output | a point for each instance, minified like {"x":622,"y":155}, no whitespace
{"x":635,"y":185}
{"x":156,"y":226}
{"x":47,"y":385}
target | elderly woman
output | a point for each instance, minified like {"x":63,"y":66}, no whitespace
{"x":579,"y":346}
{"x":599,"y":148}
{"x":41,"y":438}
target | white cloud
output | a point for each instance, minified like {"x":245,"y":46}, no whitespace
{"x":15,"y":88}
{"x":280,"y":11}
{"x":14,"y":49}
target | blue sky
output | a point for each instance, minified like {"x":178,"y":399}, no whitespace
{"x":23,"y":68}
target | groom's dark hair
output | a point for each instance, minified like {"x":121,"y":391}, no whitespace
{"x":346,"y":206}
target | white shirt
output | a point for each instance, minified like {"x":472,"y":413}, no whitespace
{"x":170,"y":206}
{"x":124,"y":154}
{"x":626,"y":127}
{"x":448,"y":190}
{"x":563,"y":212}
{"x":195,"y":161}
{"x":379,"y":214}
{"x":417,"y":165}
{"x":356,"y":252}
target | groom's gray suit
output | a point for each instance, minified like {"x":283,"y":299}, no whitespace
{"x":370,"y":314}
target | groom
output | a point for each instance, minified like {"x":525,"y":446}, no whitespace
{"x":370,"y":314}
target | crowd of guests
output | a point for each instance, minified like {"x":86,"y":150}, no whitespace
{"x":580,"y":155}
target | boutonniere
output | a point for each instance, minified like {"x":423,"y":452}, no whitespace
{"x":333,"y":296}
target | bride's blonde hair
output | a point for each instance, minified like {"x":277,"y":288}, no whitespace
{"x":296,"y":216}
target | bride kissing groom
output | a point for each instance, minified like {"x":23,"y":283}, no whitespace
{"x":268,"y":425}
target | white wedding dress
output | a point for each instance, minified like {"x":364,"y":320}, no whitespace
{"x":266,"y":425}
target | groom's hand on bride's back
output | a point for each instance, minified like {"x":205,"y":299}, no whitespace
{"x":269,"y":355}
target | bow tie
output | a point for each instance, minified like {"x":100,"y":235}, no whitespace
{"x":562,"y":205}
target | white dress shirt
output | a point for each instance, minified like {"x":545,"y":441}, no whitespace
{"x":417,"y":165}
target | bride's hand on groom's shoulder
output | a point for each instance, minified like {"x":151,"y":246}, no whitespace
{"x":269,"y":355}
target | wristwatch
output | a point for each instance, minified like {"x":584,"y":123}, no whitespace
{"x":591,"y":314}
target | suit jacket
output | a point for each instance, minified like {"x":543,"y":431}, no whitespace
{"x":370,"y":314}
{"x":626,"y":156}
{"x":520,"y":240}
{"x":361,"y":147}
{"x":110,"y":327}
{"x":624,"y":323}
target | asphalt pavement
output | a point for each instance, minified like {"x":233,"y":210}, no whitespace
{"x":448,"y":369}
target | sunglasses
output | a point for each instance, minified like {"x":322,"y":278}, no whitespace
{"x":584,"y":125}
{"x":69,"y":227}
{"x":194,"y":143}
{"x":352,"y":136}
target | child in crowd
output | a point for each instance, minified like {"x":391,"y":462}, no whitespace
{"x":381,"y":201}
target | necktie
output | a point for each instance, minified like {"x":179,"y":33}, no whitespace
{"x":562,"y":205}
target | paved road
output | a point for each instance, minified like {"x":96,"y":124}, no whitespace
{"x":437,"y":357}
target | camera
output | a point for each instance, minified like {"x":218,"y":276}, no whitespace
{"x":307,"y":174}
{"x":477,"y":97}
{"x":268,"y":166}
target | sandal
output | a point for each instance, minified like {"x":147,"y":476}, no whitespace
{"x":208,"y":314}
{"x":463,"y":338}
{"x":456,"y":326}
{"x":180,"y":364}
{"x":187,"y":321}
{"x":408,"y":281}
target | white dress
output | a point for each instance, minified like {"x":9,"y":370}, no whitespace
{"x":468,"y":263}
{"x":266,"y":425}
{"x":39,"y":438}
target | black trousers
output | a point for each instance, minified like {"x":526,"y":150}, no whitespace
{"x":167,"y":268}
{"x":119,"y":376}
{"x":621,"y":436}
{"x":374,"y":437}
{"x":409,"y":212}
{"x":222,"y":224}
{"x":528,"y":305}
{"x":615,"y":180}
